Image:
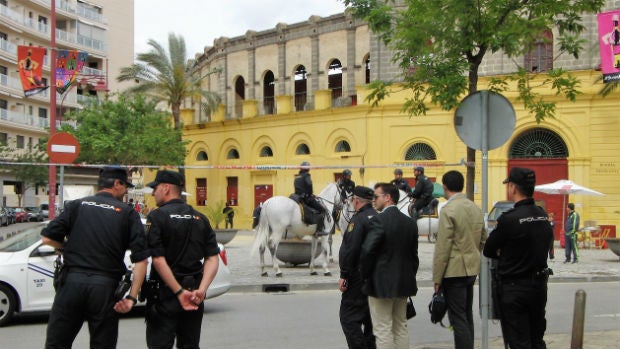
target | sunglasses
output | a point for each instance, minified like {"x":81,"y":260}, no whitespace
{"x":376,"y":196}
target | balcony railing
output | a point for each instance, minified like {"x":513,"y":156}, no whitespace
{"x":23,"y":119}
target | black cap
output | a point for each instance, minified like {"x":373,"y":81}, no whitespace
{"x":398,"y":171}
{"x":116,"y":173}
{"x":166,"y":176}
{"x":521,"y":176}
{"x":363,"y":192}
{"x":419,"y":168}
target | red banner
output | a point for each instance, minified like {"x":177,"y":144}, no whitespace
{"x":30,"y":65}
{"x":609,"y":44}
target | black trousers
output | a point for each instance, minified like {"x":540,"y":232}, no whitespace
{"x":523,"y":305}
{"x":166,"y":319}
{"x":459,"y":293}
{"x":84,"y":297}
{"x":355,"y":318}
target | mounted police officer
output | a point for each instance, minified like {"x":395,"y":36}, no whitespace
{"x":304,"y":191}
{"x":179,"y":238}
{"x":94,"y":232}
{"x":422,"y":193}
{"x":401,"y":183}
{"x":345,"y":185}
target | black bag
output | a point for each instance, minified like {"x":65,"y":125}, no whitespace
{"x":60,"y":273}
{"x":438,"y":308}
{"x":410,"y":308}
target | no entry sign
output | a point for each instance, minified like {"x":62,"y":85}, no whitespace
{"x":63,"y":148}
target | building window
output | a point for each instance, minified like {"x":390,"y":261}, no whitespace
{"x":538,"y":143}
{"x":367,"y":70}
{"x":202,"y":156}
{"x":302,"y":149}
{"x":4,"y":137}
{"x":42,"y":113}
{"x":420,"y":151}
{"x":269,"y":83}
{"x":232,"y":154}
{"x":266,"y":152}
{"x":301,"y":88}
{"x":343,"y":147}
{"x":540,"y":57}
{"x":334,"y":79}
{"x":19,"y":142}
{"x":239,"y":96}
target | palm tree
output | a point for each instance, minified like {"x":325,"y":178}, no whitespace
{"x":168,"y":77}
{"x":608,"y":88}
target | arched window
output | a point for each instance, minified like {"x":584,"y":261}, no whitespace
{"x":301,"y":88}
{"x":420,"y":151}
{"x":343,"y":147}
{"x":232,"y":154}
{"x":202,"y":156}
{"x":367,"y":69}
{"x":540,"y":57}
{"x":302,"y":149}
{"x":269,"y":83}
{"x":266,"y":152}
{"x":334,"y":79}
{"x":239,"y":96}
{"x":538,"y":143}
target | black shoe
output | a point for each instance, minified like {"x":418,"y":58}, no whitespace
{"x":567,"y":261}
{"x":575,"y":261}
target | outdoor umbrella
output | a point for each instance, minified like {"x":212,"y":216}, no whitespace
{"x":565,"y":187}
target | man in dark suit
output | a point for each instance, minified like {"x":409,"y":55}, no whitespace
{"x":389,"y":263}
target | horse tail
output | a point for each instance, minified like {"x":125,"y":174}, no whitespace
{"x":262,"y":231}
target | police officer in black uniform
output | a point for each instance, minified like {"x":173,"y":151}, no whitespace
{"x":179,"y":237}
{"x":400,"y":182}
{"x":423,"y":191}
{"x":94,"y":232}
{"x":345,"y":184}
{"x":303,"y":187}
{"x":520,"y":242}
{"x":354,"y":311}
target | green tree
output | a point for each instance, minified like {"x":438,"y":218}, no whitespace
{"x":167,"y":76}
{"x":128,"y":130}
{"x":24,"y":168}
{"x":440,"y":45}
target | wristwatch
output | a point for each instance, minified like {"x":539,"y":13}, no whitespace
{"x":179,"y":291}
{"x":132,"y":298}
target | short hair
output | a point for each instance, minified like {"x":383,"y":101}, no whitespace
{"x":454,"y":181}
{"x":571,"y":206}
{"x":526,"y":190}
{"x":390,"y":189}
{"x":106,"y":182}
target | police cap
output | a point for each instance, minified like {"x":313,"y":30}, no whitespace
{"x":521,"y":176}
{"x":113,"y":172}
{"x":363,"y":192}
{"x":167,"y":176}
{"x":398,"y":171}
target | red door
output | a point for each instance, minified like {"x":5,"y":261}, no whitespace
{"x":262,"y":192}
{"x":547,"y":171}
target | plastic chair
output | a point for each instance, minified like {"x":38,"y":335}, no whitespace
{"x":599,"y":240}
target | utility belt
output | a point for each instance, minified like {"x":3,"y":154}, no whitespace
{"x":539,"y":276}
{"x":155,"y":290}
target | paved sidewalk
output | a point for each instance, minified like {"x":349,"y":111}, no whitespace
{"x":594,"y":265}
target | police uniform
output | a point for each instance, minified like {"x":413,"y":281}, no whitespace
{"x":184,"y":237}
{"x":423,"y":191}
{"x":345,"y":186}
{"x":521,"y":242}
{"x":98,"y":230}
{"x":354,"y":312}
{"x":304,"y":190}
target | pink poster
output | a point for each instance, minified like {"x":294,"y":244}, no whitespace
{"x":609,"y":44}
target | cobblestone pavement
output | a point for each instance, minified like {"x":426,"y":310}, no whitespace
{"x":594,"y":265}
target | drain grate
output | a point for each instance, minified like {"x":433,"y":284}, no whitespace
{"x":276,"y":287}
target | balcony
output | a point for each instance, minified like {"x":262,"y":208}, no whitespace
{"x":23,"y":119}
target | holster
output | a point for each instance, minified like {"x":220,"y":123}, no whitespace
{"x":149,"y":291}
{"x":60,"y":273}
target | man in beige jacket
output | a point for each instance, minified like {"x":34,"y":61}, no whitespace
{"x":456,"y":261}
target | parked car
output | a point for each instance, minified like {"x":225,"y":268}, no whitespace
{"x":21,"y":215}
{"x":27,"y":268}
{"x":10,"y":214}
{"x":501,"y":207}
{"x":44,"y":210}
{"x":34,"y":214}
{"x":4,"y":217}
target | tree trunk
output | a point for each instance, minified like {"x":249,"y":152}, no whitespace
{"x":176,"y":115}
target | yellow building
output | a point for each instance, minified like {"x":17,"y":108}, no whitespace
{"x":250,"y":150}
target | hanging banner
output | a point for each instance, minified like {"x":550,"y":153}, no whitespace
{"x":609,"y":44}
{"x":69,"y":63}
{"x":30,"y":66}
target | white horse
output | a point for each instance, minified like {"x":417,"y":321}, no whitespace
{"x":280,"y":218}
{"x":427,"y":225}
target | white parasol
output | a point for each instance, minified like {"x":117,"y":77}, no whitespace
{"x":565,"y":187}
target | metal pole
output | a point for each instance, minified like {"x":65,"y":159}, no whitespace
{"x":484,"y":262}
{"x":61,"y":187}
{"x":579,"y":315}
{"x":52,"y":89}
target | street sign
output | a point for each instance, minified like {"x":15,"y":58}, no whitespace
{"x":63,"y":148}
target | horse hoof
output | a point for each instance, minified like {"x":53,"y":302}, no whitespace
{"x":313,"y":273}
{"x":264,"y":274}
{"x":278,"y":275}
{"x":327,"y":274}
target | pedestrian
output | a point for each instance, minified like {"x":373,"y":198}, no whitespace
{"x":354,"y":312}
{"x":521,"y":242}
{"x":400,"y":182}
{"x":456,"y":260}
{"x":571,"y":227}
{"x":179,"y":238}
{"x":552,"y":223}
{"x":93,"y":234}
{"x":256,"y":215}
{"x":422,"y":192}
{"x":389,"y":263}
{"x":230,"y":214}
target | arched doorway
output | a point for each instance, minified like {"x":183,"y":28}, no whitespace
{"x":239,"y":96}
{"x":545,"y":152}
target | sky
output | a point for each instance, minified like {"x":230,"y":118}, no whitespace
{"x":199,"y":22}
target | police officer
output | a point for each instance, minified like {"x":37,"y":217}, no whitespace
{"x":303,"y":187}
{"x":423,"y":191}
{"x":520,"y":242}
{"x":345,"y":184}
{"x":179,"y":237}
{"x":94,"y":232}
{"x":354,"y":312}
{"x":400,"y":182}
